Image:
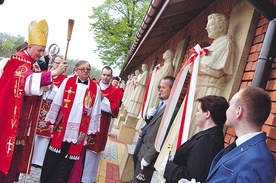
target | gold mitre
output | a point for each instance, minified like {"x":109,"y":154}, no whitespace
{"x":38,"y":33}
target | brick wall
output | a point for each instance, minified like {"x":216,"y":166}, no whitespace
{"x":197,"y":36}
{"x":270,"y":124}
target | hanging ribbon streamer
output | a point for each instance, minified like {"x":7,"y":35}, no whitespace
{"x":189,"y":98}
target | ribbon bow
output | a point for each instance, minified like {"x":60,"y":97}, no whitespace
{"x":197,"y":50}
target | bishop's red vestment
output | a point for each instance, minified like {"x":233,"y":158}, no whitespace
{"x":18,"y":112}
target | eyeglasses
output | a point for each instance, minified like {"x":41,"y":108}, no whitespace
{"x":83,"y":69}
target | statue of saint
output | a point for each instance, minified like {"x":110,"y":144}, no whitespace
{"x":165,"y":70}
{"x":127,"y":85}
{"x":139,"y":91}
{"x":129,"y":90}
{"x":216,"y":67}
{"x":214,"y":71}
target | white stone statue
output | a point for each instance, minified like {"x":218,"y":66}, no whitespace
{"x":130,"y":88}
{"x":216,"y":67}
{"x":122,"y":84}
{"x":134,"y":79}
{"x":165,"y":70}
{"x":127,"y":86}
{"x":139,"y":91}
{"x":214,"y":71}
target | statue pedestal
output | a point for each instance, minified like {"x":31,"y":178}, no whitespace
{"x":127,"y":129}
{"x":122,"y":118}
{"x":119,"y":114}
{"x":126,"y":168}
{"x":131,"y":120}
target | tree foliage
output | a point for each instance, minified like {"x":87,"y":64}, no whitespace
{"x":8,"y":44}
{"x":115,"y":25}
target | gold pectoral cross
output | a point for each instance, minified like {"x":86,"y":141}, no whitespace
{"x":67,"y":100}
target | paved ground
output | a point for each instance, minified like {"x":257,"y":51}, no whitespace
{"x":108,"y":171}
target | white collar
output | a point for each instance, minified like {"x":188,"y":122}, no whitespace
{"x":104,"y":86}
{"x":246,"y":137}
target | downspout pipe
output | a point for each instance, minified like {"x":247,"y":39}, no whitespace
{"x":266,"y":58}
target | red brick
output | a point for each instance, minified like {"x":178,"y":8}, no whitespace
{"x":260,"y":30}
{"x":253,"y":57}
{"x":272,"y":95}
{"x":271,"y":144}
{"x":248,"y":76}
{"x":270,"y":131}
{"x":230,"y":130}
{"x":258,"y":39}
{"x":259,"y":47}
{"x":271,"y":120}
{"x":248,"y":66}
{"x":227,"y":138}
{"x":270,"y":85}
{"x":253,"y":48}
{"x":244,"y":84}
{"x":273,"y":74}
{"x":262,"y":22}
{"x":273,"y":107}
{"x":254,"y":65}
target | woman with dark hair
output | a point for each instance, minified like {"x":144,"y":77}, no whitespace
{"x":193,"y":158}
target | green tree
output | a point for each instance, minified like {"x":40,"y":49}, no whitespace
{"x":115,"y":25}
{"x":95,"y":73}
{"x":8,"y":44}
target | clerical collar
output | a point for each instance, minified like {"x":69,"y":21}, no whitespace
{"x":82,"y":82}
{"x":103,"y":85}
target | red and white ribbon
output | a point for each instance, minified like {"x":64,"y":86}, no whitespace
{"x":188,"y":100}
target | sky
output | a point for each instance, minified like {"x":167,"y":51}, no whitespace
{"x":17,"y":14}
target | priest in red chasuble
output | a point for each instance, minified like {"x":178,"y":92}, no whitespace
{"x":21,"y":87}
{"x":110,"y":108}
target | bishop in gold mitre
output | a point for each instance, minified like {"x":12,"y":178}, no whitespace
{"x":22,"y":81}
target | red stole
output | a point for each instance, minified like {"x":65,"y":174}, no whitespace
{"x":68,"y":99}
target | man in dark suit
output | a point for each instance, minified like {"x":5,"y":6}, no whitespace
{"x":251,"y":160}
{"x":148,"y":154}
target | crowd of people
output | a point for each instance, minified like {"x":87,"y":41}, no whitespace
{"x":56,"y":122}
{"x":61,"y":123}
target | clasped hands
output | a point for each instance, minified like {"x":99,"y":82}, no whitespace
{"x":151,"y":112}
